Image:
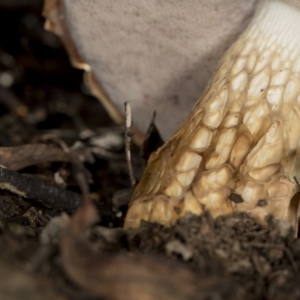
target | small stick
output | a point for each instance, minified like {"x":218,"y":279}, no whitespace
{"x":20,"y":157}
{"x":128,"y":138}
{"x":50,"y":195}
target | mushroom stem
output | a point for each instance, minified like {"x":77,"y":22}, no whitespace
{"x":238,"y":149}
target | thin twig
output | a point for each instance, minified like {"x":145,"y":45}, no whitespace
{"x":48,"y":194}
{"x":20,"y":157}
{"x":128,"y":138}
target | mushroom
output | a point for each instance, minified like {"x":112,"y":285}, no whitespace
{"x":238,"y":150}
{"x":156,"y":54}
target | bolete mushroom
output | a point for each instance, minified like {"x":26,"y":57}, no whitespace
{"x":238,"y":150}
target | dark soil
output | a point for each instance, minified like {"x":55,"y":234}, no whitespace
{"x":44,"y":101}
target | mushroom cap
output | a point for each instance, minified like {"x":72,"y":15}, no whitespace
{"x":156,"y":54}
